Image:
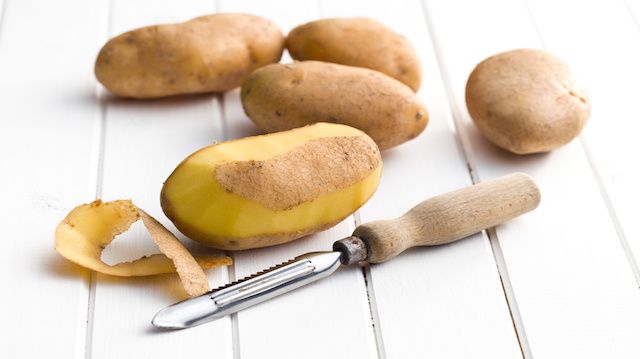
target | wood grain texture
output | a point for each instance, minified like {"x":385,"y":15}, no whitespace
{"x":427,"y":296}
{"x":144,"y":141}
{"x":328,"y":319}
{"x":574,"y":288}
{"x":450,"y":216}
{"x":47,"y":119}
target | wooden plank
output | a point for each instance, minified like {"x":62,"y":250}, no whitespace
{"x":144,"y":141}
{"x":576,"y":293}
{"x":429,"y":296}
{"x":326,"y":319}
{"x":604,"y":65}
{"x":47,"y":121}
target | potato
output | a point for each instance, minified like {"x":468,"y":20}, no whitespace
{"x":270,"y":189}
{"x":526,"y":101}
{"x":281,"y":97}
{"x":359,"y":42}
{"x":207,"y":54}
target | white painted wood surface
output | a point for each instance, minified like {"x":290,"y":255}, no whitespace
{"x":143,"y":141}
{"x":459,"y":293}
{"x":609,"y":69}
{"x":47,"y":122}
{"x":569,"y":273}
{"x":556,"y":283}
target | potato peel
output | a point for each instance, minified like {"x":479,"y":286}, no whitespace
{"x":88,"y":229}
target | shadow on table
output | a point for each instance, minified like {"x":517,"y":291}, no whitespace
{"x":164,"y":287}
{"x":54,"y":263}
{"x":482,"y":147}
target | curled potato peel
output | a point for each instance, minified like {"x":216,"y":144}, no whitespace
{"x":88,"y":229}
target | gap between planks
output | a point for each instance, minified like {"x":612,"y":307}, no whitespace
{"x":97,"y":174}
{"x":371,"y":300}
{"x":221,"y":126}
{"x":624,"y":242}
{"x":463,"y":143}
{"x":606,"y":198}
{"x":218,"y":103}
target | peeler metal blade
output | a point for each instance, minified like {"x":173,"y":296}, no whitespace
{"x":249,"y":291}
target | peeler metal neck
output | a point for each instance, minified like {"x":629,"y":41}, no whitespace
{"x":353,"y":249}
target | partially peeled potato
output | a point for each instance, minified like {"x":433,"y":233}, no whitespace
{"x":270,"y":189}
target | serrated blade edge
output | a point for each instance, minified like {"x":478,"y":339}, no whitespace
{"x":248,"y":291}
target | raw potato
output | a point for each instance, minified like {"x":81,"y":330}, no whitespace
{"x":270,"y":189}
{"x":211,"y":53}
{"x":359,"y":42}
{"x":280,"y":97}
{"x":526,"y":101}
{"x":88,"y":229}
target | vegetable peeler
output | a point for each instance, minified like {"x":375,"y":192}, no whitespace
{"x":439,"y":220}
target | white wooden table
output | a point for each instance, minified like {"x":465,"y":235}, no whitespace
{"x":561,"y":282}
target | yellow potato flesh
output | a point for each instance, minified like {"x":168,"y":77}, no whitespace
{"x":204,"y":211}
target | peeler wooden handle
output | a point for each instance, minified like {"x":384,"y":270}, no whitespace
{"x":445,"y":218}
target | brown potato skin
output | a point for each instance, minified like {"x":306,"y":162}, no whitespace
{"x":526,"y":101}
{"x":211,"y":53}
{"x":281,"y":97}
{"x":359,"y":42}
